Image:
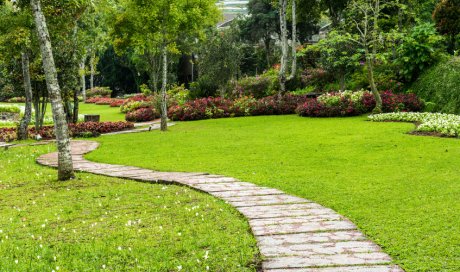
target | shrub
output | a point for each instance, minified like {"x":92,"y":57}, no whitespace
{"x":354,"y":103}
{"x":10,"y":108}
{"x":440,"y":85}
{"x":252,"y":86}
{"x":8,"y":134}
{"x":420,"y":49}
{"x":142,"y":115}
{"x":258,"y":86}
{"x":117,"y":102}
{"x":99,"y":91}
{"x":316,"y":77}
{"x":130,"y":106}
{"x":211,"y":107}
{"x":88,"y":129}
{"x":178,"y":94}
{"x":19,"y":99}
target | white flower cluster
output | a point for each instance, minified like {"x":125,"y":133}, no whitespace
{"x":333,"y":99}
{"x":446,"y":124}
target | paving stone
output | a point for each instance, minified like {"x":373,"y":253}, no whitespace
{"x":246,"y":201}
{"x":221,"y":187}
{"x":204,"y":179}
{"x":307,"y":238}
{"x":273,"y":211}
{"x":326,"y":260}
{"x":302,"y":227}
{"x":255,"y":192}
{"x":373,"y":268}
{"x":296,"y":219}
{"x":311,"y":249}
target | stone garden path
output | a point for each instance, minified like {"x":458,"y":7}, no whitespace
{"x":293,"y":234}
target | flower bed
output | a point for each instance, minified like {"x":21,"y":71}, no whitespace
{"x":99,"y":92}
{"x":355,"y":103}
{"x":444,"y":124}
{"x":216,"y":107}
{"x":87,"y":129}
{"x":142,"y":115}
{"x":113,"y":102}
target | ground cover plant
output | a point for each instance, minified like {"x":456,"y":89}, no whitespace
{"x":96,"y":223}
{"x":401,"y":190}
{"x":444,"y":124}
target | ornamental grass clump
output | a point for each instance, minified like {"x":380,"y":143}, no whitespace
{"x":444,"y":124}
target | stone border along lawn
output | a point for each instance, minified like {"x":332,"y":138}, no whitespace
{"x":292,"y":232}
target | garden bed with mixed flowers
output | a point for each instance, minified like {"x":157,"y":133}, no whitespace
{"x":438,"y":124}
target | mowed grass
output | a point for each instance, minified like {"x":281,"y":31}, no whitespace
{"x":403,"y":191}
{"x":97,"y":223}
{"x":106,"y":112}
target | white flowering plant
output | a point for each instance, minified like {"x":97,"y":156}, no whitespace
{"x":445,"y":124}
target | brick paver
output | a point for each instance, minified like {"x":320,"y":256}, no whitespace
{"x":293,"y":234}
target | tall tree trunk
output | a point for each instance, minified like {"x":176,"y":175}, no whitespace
{"x":342,"y":81}
{"x":76,"y":107}
{"x":65,"y":164}
{"x":267,"y":41}
{"x":294,"y":41}
{"x":91,"y":64}
{"x":370,"y":77}
{"x":284,"y":47}
{"x":164,"y":107}
{"x":83,"y":78}
{"x":24,"y":125}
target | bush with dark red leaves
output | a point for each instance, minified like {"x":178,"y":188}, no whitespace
{"x":142,"y":115}
{"x":345,"y":107}
{"x":87,"y":129}
{"x":216,"y":107}
{"x":8,"y":134}
{"x":113,"y":102}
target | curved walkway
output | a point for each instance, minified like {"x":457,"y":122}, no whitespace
{"x":293,"y":234}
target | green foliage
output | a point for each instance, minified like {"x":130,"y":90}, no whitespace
{"x":440,"y":85}
{"x":338,"y":54}
{"x":99,"y":91}
{"x":179,"y":94}
{"x":9,"y":108}
{"x":447,"y":18}
{"x":258,"y":86}
{"x":420,"y":49}
{"x":220,"y":56}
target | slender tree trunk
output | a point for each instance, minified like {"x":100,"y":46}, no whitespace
{"x":370,"y":77}
{"x":294,"y":41}
{"x":164,"y":107}
{"x":267,"y":51}
{"x":65,"y":164}
{"x":83,"y":78}
{"x":342,"y":81}
{"x":37,"y":111}
{"x":24,"y":125}
{"x":284,"y":47}
{"x":91,"y":64}
{"x":76,"y":107}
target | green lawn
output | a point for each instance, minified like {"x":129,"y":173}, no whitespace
{"x":403,"y":191}
{"x":95,"y":222}
{"x":107,"y":113}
